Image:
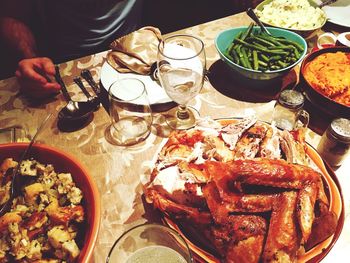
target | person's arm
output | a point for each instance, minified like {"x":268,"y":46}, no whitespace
{"x":17,"y":36}
{"x":32,"y":72}
{"x":15,"y":16}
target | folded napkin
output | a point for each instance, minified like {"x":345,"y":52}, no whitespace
{"x":135,"y":52}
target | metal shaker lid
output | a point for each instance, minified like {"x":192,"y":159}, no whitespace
{"x":340,"y":129}
{"x":291,"y":99}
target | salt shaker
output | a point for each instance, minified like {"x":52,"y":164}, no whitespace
{"x":288,"y":113}
{"x":334,"y":145}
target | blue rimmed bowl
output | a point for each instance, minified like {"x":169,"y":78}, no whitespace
{"x":225,"y":38}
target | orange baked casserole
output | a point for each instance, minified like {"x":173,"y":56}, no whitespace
{"x":329,"y":74}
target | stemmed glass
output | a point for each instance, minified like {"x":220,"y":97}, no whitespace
{"x":181,"y":67}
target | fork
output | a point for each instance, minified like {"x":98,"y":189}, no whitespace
{"x":86,"y":74}
{"x":92,"y":99}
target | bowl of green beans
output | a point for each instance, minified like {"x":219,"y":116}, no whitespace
{"x":257,"y":55}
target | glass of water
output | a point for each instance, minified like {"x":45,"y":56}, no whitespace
{"x":130,"y":112}
{"x":181,"y":64}
{"x":149,"y":243}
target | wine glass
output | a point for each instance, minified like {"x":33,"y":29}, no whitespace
{"x":181,"y":67}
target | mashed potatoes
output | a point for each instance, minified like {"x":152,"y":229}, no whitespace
{"x":292,"y":14}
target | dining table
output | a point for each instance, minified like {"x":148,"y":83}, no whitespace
{"x":120,"y":172}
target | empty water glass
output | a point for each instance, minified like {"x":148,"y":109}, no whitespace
{"x":288,"y":113}
{"x":130,"y":112}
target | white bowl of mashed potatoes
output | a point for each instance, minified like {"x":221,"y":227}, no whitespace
{"x":301,"y":16}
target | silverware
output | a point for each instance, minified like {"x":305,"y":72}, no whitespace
{"x":327,"y":2}
{"x":93,"y":99}
{"x":74,"y":110}
{"x":86,"y":74}
{"x":250,"y":12}
{"x":16,"y":182}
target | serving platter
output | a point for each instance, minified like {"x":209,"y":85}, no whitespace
{"x":317,"y":253}
{"x":203,"y":252}
{"x":338,"y":13}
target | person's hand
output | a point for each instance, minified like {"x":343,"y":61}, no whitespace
{"x":34,"y":76}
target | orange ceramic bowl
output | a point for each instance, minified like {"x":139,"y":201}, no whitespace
{"x":63,"y":162}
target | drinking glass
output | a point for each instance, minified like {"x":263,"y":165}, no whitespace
{"x":149,"y":243}
{"x":181,"y":66}
{"x":130,"y":112}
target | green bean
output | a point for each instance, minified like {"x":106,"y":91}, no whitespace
{"x":263,"y":41}
{"x":274,"y":67}
{"x":240,"y":57}
{"x":283,"y":47}
{"x":255,"y":60}
{"x":245,"y":58}
{"x":282,"y":64}
{"x":276,"y":57}
{"x":257,"y":44}
{"x":286,"y":41}
{"x":261,"y":49}
{"x":262,"y":63}
{"x":235,"y":56}
{"x":264,"y":57}
{"x":233,"y":44}
{"x":270,"y":39}
{"x":253,"y":49}
{"x":248,"y":31}
{"x":230,"y":47}
{"x":227,"y":54}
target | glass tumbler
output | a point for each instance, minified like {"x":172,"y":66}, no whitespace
{"x":130,"y":112}
{"x":149,"y":243}
{"x":288,"y":113}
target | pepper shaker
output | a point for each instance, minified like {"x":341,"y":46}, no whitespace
{"x":334,"y":145}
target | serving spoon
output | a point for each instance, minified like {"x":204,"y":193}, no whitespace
{"x":74,"y":110}
{"x":327,"y":2}
{"x":250,"y":12}
{"x":15,"y":181}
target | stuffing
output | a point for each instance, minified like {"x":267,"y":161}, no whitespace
{"x":5,"y":193}
{"x":75,"y":195}
{"x":58,"y":235}
{"x":7,"y":164}
{"x":41,"y":226}
{"x":71,"y":249}
{"x":9,"y":218}
{"x":31,"y":192}
{"x":28,"y":168}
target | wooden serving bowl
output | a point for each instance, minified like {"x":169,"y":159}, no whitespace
{"x":64,"y":162}
{"x":315,"y":97}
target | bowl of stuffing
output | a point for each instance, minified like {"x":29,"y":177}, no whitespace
{"x":255,"y":55}
{"x":325,"y":80}
{"x":300,"y":16}
{"x":56,"y":215}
